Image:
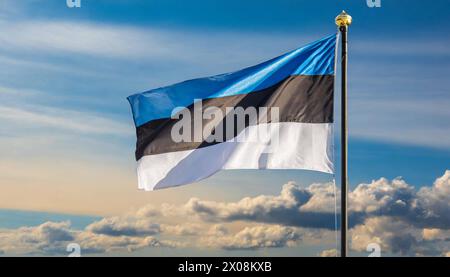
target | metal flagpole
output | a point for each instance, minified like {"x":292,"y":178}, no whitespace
{"x":344,"y":20}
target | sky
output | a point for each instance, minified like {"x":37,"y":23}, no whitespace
{"x":67,"y":168}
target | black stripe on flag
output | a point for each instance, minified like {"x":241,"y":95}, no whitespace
{"x":301,"y":98}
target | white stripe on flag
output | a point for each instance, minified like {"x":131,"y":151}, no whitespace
{"x":300,"y":146}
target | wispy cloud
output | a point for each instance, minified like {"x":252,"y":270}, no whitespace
{"x":130,"y":42}
{"x":76,"y":121}
{"x":79,"y":122}
{"x":83,"y":38}
{"x":24,"y":106}
{"x":419,"y":46}
{"x":9,"y":9}
{"x":412,"y":121}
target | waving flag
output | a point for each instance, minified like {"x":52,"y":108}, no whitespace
{"x":275,"y":115}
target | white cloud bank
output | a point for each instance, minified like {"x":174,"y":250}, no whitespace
{"x":390,"y":213}
{"x":254,"y":237}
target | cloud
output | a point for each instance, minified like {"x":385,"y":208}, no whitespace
{"x":9,"y":9}
{"x":434,"y":202}
{"x":47,"y":237}
{"x":381,"y":195}
{"x":140,"y":224}
{"x":84,"y":38}
{"x":186,"y":229}
{"x":329,"y":253}
{"x":51,"y":238}
{"x":218,"y":230}
{"x":427,"y":207}
{"x":131,"y":43}
{"x":322,"y":198}
{"x":401,"y":219}
{"x":52,"y":232}
{"x":392,"y":236}
{"x":393,"y":213}
{"x":314,"y":206}
{"x":256,"y":237}
{"x":148,"y":211}
{"x":117,"y":226}
{"x":399,"y":237}
{"x":281,"y":209}
{"x":434,"y":234}
{"x":95,"y":243}
{"x":66,"y":119}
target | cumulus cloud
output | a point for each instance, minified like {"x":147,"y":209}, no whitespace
{"x":323,"y":198}
{"x":400,"y":237}
{"x":434,"y":202}
{"x":393,"y":213}
{"x":218,"y":230}
{"x":392,"y":236}
{"x":435,"y":234}
{"x":94,"y":243}
{"x":314,"y":205}
{"x":281,"y":209}
{"x":148,"y":211}
{"x":47,"y":237}
{"x":187,"y":229}
{"x":427,"y":207}
{"x":402,"y":219}
{"x":329,"y":253}
{"x":145,"y":221}
{"x":255,"y":237}
{"x":51,"y":238}
{"x":119,"y":226}
{"x":381,"y":195}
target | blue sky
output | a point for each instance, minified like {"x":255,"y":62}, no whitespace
{"x":66,"y":132}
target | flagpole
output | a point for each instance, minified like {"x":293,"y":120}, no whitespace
{"x":343,"y":20}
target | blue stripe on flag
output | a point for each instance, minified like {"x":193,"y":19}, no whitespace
{"x":316,"y":58}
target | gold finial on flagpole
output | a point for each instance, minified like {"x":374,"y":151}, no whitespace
{"x":343,"y":19}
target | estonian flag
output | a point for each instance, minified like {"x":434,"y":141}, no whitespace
{"x":183,"y":130}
